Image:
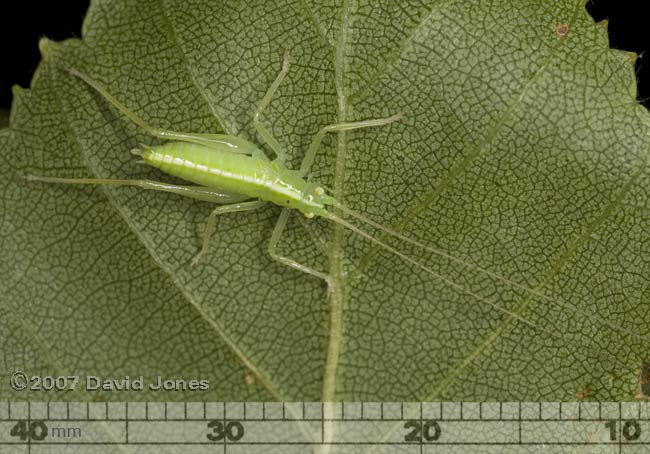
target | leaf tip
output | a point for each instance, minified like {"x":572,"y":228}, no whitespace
{"x":46,"y":47}
{"x":633,"y":56}
{"x":17,"y":90}
{"x":603,"y":23}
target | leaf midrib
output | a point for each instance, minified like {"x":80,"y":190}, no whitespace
{"x":335,"y":247}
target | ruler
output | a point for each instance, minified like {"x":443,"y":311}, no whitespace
{"x":322,"y":428}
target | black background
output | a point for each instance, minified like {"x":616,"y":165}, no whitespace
{"x":23,"y":22}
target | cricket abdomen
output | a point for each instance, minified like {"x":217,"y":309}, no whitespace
{"x":253,"y":176}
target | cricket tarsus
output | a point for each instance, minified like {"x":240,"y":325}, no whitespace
{"x":227,"y":171}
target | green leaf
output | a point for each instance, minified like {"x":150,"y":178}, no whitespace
{"x":523,"y":155}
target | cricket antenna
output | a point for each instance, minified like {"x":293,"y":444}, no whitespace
{"x":406,"y":258}
{"x":441,"y":253}
{"x":433,"y":250}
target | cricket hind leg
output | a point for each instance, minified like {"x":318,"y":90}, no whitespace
{"x":264,"y":133}
{"x":208,"y":140}
{"x":212,"y":220}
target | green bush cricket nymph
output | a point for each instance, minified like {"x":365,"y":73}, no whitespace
{"x":237,"y":175}
{"x":231,"y":171}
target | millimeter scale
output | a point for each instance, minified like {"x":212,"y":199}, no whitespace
{"x":301,"y":427}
